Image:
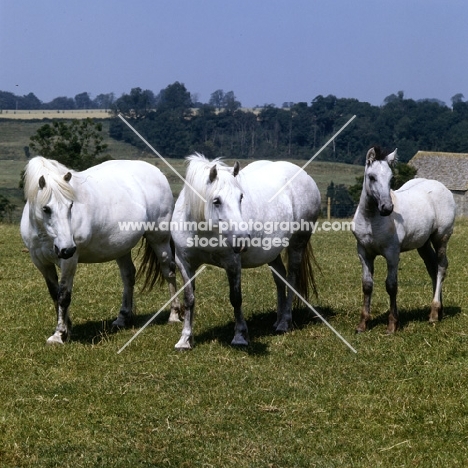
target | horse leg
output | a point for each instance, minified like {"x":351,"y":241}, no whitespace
{"x":367,"y":262}
{"x":296,"y":252}
{"x":64,"y":292}
{"x":241,"y":334}
{"x":278,"y":265}
{"x":428,"y":254}
{"x":391,"y":285}
{"x":49,"y":272}
{"x":442,"y":265}
{"x":127,"y":273}
{"x":186,"y":338}
{"x":163,"y":252}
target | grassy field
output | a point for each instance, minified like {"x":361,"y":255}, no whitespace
{"x":296,"y":400}
{"x":14,"y":136}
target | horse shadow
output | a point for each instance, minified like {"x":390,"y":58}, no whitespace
{"x":260,"y":325}
{"x":95,"y":331}
{"x":407,"y":316}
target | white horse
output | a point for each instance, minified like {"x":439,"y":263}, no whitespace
{"x":239,"y":227}
{"x":73,"y":217}
{"x":420,"y":215}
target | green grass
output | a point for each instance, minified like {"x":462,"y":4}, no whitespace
{"x":296,"y":400}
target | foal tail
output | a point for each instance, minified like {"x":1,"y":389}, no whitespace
{"x":149,"y":267}
{"x":306,"y":277}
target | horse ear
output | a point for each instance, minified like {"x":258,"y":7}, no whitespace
{"x":235,"y":171}
{"x":392,"y":158}
{"x":67,"y":177}
{"x":370,"y":157}
{"x":42,"y":183}
{"x":213,"y":173}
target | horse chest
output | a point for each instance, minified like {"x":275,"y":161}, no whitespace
{"x":375,"y":234}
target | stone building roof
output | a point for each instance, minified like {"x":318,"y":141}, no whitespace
{"x":449,"y":168}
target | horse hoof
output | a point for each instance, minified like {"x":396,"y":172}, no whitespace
{"x":55,"y":340}
{"x":182,"y":349}
{"x":184,"y":344}
{"x":174,"y":318}
{"x":434,"y":318}
{"x":239,"y":341}
{"x":119,"y":322}
{"x":282,"y":329}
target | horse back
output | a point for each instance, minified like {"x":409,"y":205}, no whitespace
{"x":280,"y":188}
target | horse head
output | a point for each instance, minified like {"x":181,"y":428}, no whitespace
{"x":378,"y":177}
{"x":51,"y":200}
{"x":214,"y":195}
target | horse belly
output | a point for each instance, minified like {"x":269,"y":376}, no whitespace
{"x":256,"y":256}
{"x":104,"y":251}
{"x":415,"y":236}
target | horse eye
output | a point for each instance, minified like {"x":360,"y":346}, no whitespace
{"x":46,"y":209}
{"x":71,"y":205}
{"x":217,"y":201}
{"x":241,"y":197}
{"x":372,"y":178}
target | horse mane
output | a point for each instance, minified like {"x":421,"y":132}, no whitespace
{"x":376,"y":153}
{"x":198,"y":183}
{"x":53,"y":173}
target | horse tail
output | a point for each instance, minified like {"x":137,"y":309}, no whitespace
{"x":149,"y":267}
{"x":172,"y":245}
{"x":306,"y":277}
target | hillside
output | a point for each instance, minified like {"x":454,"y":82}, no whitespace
{"x":15,"y":134}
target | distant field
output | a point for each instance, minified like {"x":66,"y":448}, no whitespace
{"x":53,"y":114}
{"x":15,"y":135}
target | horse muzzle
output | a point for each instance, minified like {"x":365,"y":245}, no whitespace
{"x":65,"y":253}
{"x":386,"y":210}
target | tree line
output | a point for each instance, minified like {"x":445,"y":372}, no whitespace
{"x":177,"y":124}
{"x":10,"y":101}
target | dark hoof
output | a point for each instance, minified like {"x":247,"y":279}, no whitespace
{"x":119,"y":322}
{"x":281,"y":329}
{"x":239,"y":341}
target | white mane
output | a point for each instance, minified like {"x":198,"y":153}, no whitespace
{"x":198,"y":183}
{"x":53,"y":173}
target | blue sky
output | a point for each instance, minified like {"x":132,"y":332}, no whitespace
{"x":266,"y":51}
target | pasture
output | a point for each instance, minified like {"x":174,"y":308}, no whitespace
{"x":297,"y":400}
